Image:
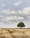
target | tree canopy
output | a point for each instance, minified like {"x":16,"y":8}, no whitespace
{"x":21,"y":24}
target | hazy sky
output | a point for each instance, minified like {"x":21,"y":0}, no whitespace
{"x":14,"y":11}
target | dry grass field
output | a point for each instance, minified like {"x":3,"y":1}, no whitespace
{"x":14,"y":33}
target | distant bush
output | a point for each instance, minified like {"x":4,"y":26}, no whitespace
{"x":21,"y":24}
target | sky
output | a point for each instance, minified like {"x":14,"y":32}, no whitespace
{"x":14,"y":11}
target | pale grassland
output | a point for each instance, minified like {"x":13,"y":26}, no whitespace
{"x":14,"y":33}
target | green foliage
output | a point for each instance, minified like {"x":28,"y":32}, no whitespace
{"x":21,"y":24}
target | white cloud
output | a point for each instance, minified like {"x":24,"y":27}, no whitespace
{"x":14,"y":18}
{"x":8,"y":11}
{"x":3,"y":4}
{"x":10,"y":19}
{"x":17,"y":3}
{"x":20,"y":17}
{"x":25,"y":11}
{"x":1,"y":16}
{"x":16,"y":15}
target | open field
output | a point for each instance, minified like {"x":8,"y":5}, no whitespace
{"x":14,"y":33}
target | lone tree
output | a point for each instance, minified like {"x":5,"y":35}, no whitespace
{"x":21,"y":24}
